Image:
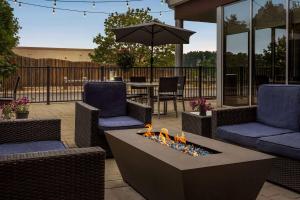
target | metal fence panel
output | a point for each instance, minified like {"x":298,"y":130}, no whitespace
{"x":59,"y":84}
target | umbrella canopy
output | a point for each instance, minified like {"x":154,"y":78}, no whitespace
{"x":153,"y":34}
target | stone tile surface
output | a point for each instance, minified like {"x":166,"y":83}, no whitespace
{"x":115,"y":187}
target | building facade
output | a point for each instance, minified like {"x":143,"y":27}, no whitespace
{"x":258,"y":42}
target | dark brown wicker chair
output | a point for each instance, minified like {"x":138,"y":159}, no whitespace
{"x":167,"y":91}
{"x":69,"y":174}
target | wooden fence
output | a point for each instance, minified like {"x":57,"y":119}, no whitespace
{"x":50,"y":80}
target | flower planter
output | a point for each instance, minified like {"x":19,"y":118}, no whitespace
{"x":202,"y":111}
{"x":23,"y":115}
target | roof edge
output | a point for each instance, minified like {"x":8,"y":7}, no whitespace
{"x":174,"y":3}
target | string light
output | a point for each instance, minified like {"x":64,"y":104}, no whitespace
{"x":160,"y":14}
{"x":94,"y":4}
{"x":15,"y":1}
{"x":53,"y":11}
{"x":162,"y":2}
{"x":54,"y":3}
{"x":85,"y":12}
{"x":127,"y":4}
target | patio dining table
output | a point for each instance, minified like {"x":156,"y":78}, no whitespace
{"x":150,"y":88}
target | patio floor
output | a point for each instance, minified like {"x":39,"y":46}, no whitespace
{"x":115,"y":188}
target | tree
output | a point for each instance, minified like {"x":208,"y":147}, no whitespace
{"x":108,"y":48}
{"x":199,"y":58}
{"x":9,"y":29}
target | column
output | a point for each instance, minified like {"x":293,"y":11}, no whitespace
{"x":179,"y":47}
{"x":219,"y":56}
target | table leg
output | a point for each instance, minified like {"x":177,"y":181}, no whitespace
{"x":149,"y":96}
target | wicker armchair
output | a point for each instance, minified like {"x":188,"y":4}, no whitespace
{"x":249,"y":126}
{"x":88,"y":114}
{"x":69,"y":174}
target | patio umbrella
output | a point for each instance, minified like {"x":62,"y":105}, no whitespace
{"x":153,"y":34}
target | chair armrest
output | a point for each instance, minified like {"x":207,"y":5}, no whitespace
{"x":139,"y":111}
{"x":228,"y":116}
{"x":86,"y":124}
{"x":27,"y":130}
{"x":69,"y":174}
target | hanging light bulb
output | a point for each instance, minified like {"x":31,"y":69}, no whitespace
{"x":162,"y":2}
{"x":53,"y":11}
{"x":54,"y":3}
{"x":84,"y":13}
{"x":20,"y":4}
{"x":160,"y":13}
{"x":15,"y":1}
{"x":94,"y":4}
{"x":127,"y":4}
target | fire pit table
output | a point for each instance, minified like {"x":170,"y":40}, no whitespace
{"x":158,"y":172}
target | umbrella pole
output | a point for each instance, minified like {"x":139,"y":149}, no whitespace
{"x":151,"y":64}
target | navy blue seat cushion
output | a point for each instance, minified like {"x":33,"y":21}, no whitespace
{"x":29,"y":147}
{"x":115,"y":123}
{"x":247,"y":134}
{"x":287,"y":145}
{"x":109,"y":97}
{"x":279,"y":106}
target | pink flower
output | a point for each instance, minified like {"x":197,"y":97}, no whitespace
{"x":200,"y":104}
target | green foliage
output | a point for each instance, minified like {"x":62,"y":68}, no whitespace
{"x":7,"y":67}
{"x":232,"y":25}
{"x":125,"y":59}
{"x":107,"y":50}
{"x":199,"y":58}
{"x":9,"y":28}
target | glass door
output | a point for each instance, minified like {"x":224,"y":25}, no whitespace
{"x":236,"y":54}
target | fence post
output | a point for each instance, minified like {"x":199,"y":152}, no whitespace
{"x":48,"y":84}
{"x":102,"y":73}
{"x":200,"y":80}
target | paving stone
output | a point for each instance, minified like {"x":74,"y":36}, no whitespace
{"x":116,"y":188}
{"x":122,"y":193}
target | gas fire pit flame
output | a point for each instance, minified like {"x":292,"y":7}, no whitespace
{"x":149,"y":132}
{"x":181,"y":139}
{"x":179,"y":142}
{"x":164,"y":135}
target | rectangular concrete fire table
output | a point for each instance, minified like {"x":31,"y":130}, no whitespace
{"x":159,"y":172}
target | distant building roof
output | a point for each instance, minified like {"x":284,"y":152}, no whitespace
{"x":71,"y":54}
{"x":54,"y":48}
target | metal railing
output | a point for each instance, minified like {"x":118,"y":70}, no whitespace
{"x":59,"y":84}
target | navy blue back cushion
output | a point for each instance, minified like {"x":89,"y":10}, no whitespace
{"x":279,"y":106}
{"x":109,"y":97}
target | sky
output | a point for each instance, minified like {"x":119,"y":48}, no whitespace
{"x":40,"y":28}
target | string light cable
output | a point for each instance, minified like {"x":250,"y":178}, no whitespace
{"x":84,"y":12}
{"x":96,"y":2}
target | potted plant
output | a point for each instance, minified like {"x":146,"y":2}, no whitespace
{"x":21,"y":108}
{"x":7,"y":111}
{"x":201,"y":106}
{"x":125,"y":59}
